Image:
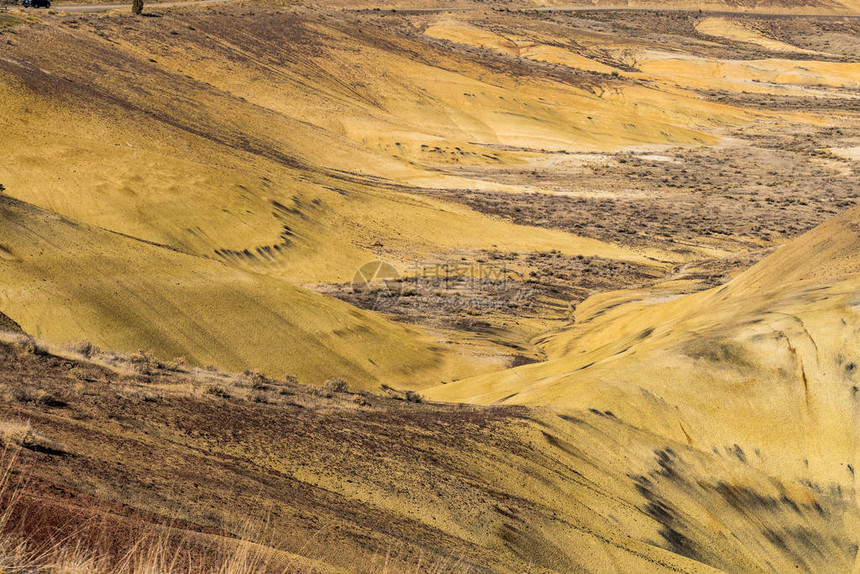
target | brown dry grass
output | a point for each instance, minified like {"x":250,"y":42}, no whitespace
{"x":157,"y":473}
{"x":21,"y":434}
{"x":156,"y":550}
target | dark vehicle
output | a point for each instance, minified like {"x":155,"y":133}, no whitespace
{"x":37,"y":3}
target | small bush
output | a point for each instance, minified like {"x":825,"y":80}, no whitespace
{"x":291,"y":379}
{"x":258,"y":380}
{"x":410,"y":396}
{"x":25,"y":394}
{"x":144,"y":363}
{"x":177,"y":365}
{"x":359,"y":400}
{"x":142,"y":395}
{"x":85,"y":349}
{"x":16,"y":433}
{"x":218,"y":392}
{"x":30,"y":394}
{"x":29,"y":345}
{"x":337,"y":385}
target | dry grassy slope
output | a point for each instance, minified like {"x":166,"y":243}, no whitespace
{"x":688,"y":68}
{"x":142,"y":146}
{"x":132,"y":125}
{"x":767,"y":362}
{"x":772,"y":76}
{"x":72,"y":282}
{"x":612,"y":114}
{"x":7,"y":324}
{"x":259,"y":138}
{"x":399,"y":90}
{"x":413,"y":486}
{"x":766,"y":6}
{"x":279,"y":97}
{"x":760,"y":6}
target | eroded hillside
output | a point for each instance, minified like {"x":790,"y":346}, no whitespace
{"x":620,"y":245}
{"x":329,"y":481}
{"x":580,"y":152}
{"x":762,"y":369}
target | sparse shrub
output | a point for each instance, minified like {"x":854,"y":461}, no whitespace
{"x":85,"y":349}
{"x":336,"y":385}
{"x":258,"y":380}
{"x":144,"y":362}
{"x":218,"y":392}
{"x":2,"y":188}
{"x":137,"y":7}
{"x":26,"y":394}
{"x":142,"y":395}
{"x":261,"y":398}
{"x":31,"y":346}
{"x":291,"y":379}
{"x":33,"y":395}
{"x":17,"y":433}
{"x":359,"y":400}
{"x":177,"y":365}
{"x":410,"y":396}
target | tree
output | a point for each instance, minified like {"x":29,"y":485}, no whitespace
{"x":137,"y":6}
